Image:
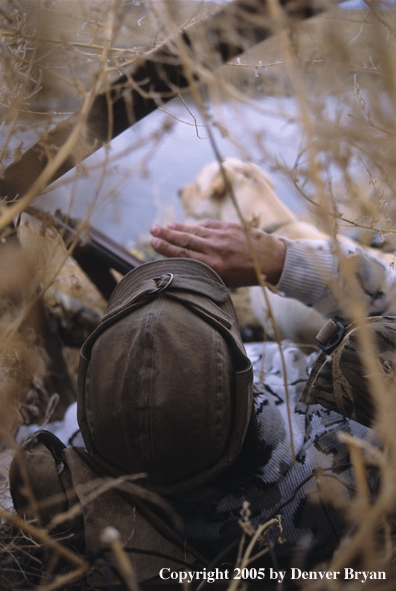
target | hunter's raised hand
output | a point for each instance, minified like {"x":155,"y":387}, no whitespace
{"x":224,"y":247}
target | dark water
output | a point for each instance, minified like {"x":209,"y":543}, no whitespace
{"x":137,"y":180}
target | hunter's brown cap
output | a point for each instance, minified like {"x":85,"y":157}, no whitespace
{"x":165,"y":386}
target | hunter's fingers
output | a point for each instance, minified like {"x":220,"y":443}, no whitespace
{"x":172,"y":243}
{"x":191,"y":238}
{"x":200,"y":228}
{"x":172,"y":251}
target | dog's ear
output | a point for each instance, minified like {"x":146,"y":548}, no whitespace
{"x":188,"y":195}
{"x":217,"y":187}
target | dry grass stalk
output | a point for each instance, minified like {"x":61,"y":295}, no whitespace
{"x":112,"y":539}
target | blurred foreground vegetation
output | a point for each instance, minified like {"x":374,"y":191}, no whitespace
{"x":52,"y":54}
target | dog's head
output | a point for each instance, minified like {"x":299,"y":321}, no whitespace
{"x":210,"y":195}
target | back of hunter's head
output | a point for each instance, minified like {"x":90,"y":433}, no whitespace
{"x":164,"y":382}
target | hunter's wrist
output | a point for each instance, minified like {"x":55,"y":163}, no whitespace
{"x":277,"y":255}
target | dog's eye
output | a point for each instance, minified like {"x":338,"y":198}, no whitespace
{"x":218,"y":192}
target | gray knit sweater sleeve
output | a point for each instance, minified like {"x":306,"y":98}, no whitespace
{"x":332,"y":277}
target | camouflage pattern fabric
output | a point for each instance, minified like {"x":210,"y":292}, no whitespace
{"x":332,"y":278}
{"x":324,"y":276}
{"x":266,"y":475}
{"x":341,"y":381}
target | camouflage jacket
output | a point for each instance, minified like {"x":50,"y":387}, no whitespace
{"x":266,"y":475}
